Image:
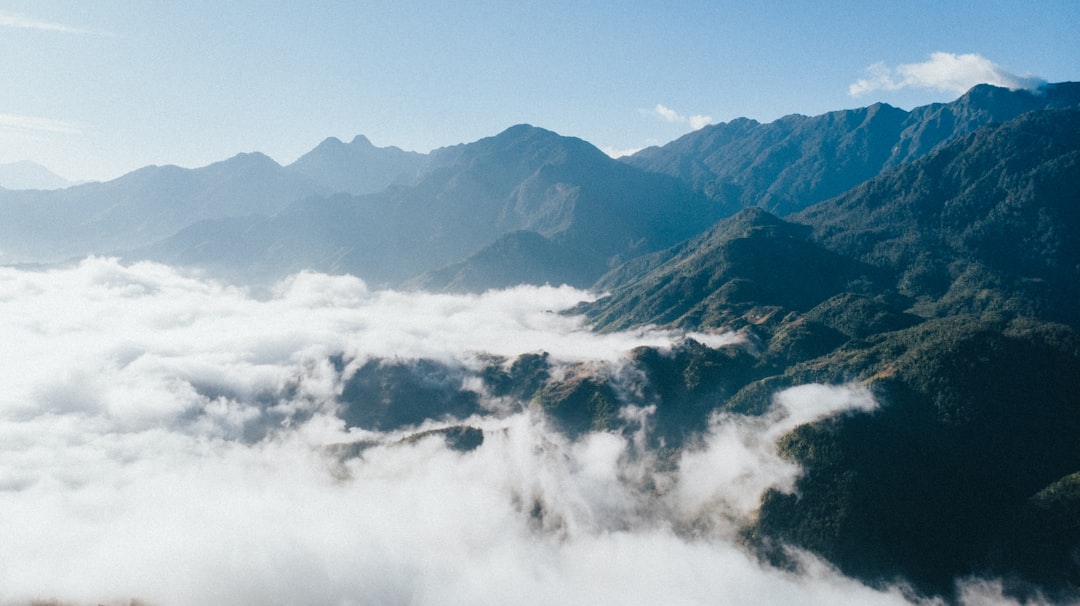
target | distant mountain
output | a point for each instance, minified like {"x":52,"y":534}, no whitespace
{"x":30,"y":175}
{"x":796,"y":161}
{"x":357,"y":167}
{"x":157,"y":202}
{"x":589,"y":211}
{"x":141,"y":207}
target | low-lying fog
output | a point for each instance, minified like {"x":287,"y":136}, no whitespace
{"x":125,"y":474}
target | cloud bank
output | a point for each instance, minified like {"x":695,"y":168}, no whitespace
{"x":945,"y":72}
{"x":669,"y":115}
{"x":125,"y":474}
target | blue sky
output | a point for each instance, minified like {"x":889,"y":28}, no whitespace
{"x":95,"y":89}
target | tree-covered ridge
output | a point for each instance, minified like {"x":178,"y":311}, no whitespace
{"x":796,"y":161}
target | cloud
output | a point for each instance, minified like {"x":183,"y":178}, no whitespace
{"x":38,"y":124}
{"x":23,"y":22}
{"x":124,"y":471}
{"x":619,"y":153}
{"x":947,"y":72}
{"x":669,"y":115}
{"x":725,"y":480}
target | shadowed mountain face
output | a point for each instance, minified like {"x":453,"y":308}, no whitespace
{"x":748,"y":265}
{"x":787,"y":165}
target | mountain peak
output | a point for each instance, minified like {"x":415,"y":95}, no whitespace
{"x":248,"y":160}
{"x":357,"y":167}
{"x":330,"y":143}
{"x":30,"y":175}
{"x":360,"y":141}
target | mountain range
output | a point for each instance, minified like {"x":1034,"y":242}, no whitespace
{"x":930,"y":255}
{"x":450,"y":218}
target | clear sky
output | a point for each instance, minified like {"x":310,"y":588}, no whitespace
{"x":95,"y":89}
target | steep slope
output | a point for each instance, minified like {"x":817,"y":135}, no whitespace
{"x":593,"y":208}
{"x":787,"y":165}
{"x":357,"y":167}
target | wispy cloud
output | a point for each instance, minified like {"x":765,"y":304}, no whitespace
{"x":948,"y":72}
{"x":38,"y":124}
{"x":23,"y":22}
{"x":669,"y":115}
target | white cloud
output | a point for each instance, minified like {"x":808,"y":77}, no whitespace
{"x":619,"y":153}
{"x":123,"y":473}
{"x":725,"y":480}
{"x":669,"y":115}
{"x":666,"y":113}
{"x":23,"y":123}
{"x":23,"y":22}
{"x":947,"y":72}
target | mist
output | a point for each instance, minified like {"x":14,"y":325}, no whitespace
{"x":126,"y":473}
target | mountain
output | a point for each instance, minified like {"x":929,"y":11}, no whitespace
{"x":987,"y":223}
{"x":506,"y":261}
{"x":585,"y":211}
{"x":357,"y":167}
{"x":141,"y":207}
{"x":749,"y":265}
{"x":791,"y":163}
{"x":948,"y":287}
{"x":29,"y":175}
{"x":156,"y":202}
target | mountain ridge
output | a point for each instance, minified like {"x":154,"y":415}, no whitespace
{"x":778,"y":165}
{"x":469,"y":196}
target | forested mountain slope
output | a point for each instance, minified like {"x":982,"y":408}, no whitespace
{"x":948,"y":286}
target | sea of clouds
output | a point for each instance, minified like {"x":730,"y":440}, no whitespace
{"x":127,"y":476}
